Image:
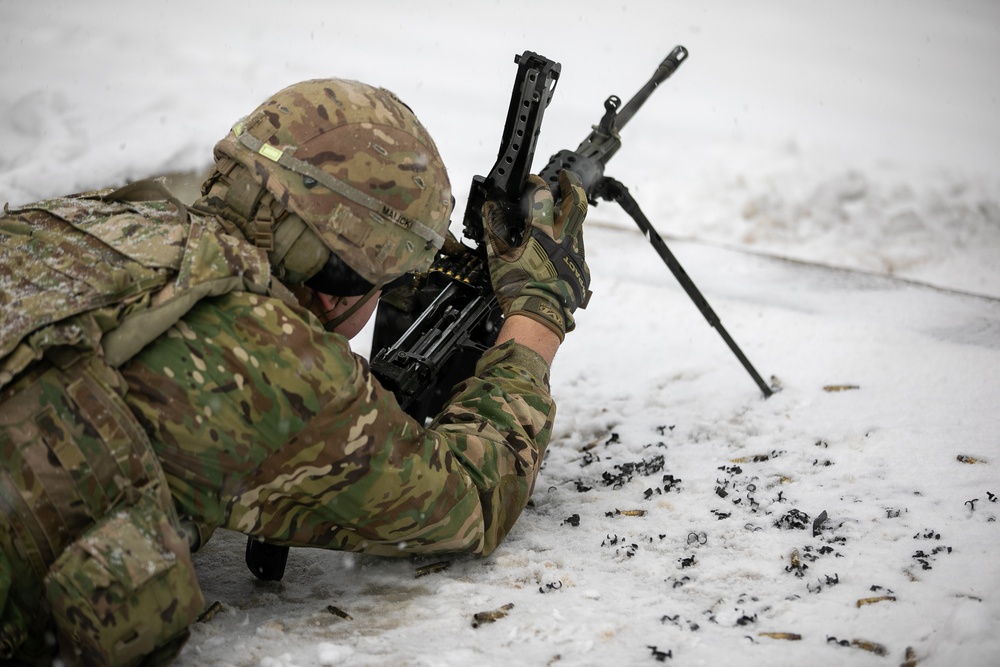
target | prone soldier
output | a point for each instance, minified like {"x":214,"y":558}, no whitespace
{"x":166,"y":370}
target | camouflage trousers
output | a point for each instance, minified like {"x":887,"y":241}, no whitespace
{"x":91,"y":563}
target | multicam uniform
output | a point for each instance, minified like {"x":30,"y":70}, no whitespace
{"x":268,"y":425}
{"x":154,"y":374}
{"x":116,"y":344}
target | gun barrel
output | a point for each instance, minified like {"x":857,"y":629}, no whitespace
{"x":662,"y":73}
{"x":591,"y":156}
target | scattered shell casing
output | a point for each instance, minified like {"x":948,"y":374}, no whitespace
{"x":872,"y":647}
{"x":841,"y":387}
{"x":491,"y":616}
{"x":911,"y":658}
{"x":790,"y":636}
{"x":969,"y":459}
{"x":337,"y":611}
{"x":210,"y":613}
{"x":631,"y":512}
{"x":756,"y":458}
{"x":882,"y":598}
{"x":432,"y":568}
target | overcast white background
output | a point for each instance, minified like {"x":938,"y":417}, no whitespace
{"x":860,"y":136}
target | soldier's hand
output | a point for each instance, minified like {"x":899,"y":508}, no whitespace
{"x":546,"y":277}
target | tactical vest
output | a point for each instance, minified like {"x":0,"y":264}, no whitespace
{"x":85,"y":283}
{"x":110,"y":270}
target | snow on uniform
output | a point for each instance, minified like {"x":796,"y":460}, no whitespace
{"x":263,"y":422}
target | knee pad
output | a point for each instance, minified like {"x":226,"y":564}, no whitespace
{"x":125,"y":590}
{"x":87,"y":524}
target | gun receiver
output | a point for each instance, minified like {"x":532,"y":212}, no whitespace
{"x":453,"y":319}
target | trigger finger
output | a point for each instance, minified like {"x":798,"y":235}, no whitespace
{"x":538,"y":197}
{"x":573,"y":207}
{"x":537,"y":190}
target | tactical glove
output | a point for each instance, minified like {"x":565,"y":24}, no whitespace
{"x":545,"y":277}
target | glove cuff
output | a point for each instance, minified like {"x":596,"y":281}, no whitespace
{"x":541,"y":310}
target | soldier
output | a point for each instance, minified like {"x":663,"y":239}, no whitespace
{"x":168,"y":370}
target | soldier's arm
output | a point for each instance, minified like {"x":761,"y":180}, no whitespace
{"x":268,"y":425}
{"x":532,"y":335}
{"x":499,"y":423}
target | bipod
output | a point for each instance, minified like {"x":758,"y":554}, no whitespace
{"x":613,"y":190}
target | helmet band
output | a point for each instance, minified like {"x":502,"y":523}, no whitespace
{"x":334,"y":185}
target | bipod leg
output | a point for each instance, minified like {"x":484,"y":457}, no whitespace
{"x":613,"y":190}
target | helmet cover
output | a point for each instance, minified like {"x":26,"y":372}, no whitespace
{"x":357,"y":166}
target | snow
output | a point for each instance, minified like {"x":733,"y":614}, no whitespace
{"x":827,"y":174}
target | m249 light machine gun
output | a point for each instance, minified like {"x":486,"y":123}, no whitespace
{"x":440,"y":346}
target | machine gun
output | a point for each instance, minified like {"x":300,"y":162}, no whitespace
{"x":432,"y":328}
{"x":430,"y":331}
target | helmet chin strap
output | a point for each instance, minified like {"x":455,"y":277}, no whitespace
{"x":330,"y":323}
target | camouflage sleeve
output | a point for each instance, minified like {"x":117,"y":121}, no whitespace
{"x":498,"y":425}
{"x":268,"y":425}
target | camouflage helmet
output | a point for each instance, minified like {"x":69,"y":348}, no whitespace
{"x":357,"y":166}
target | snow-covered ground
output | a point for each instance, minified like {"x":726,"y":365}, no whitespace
{"x":829,"y":176}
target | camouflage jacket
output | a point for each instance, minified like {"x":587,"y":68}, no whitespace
{"x":268,"y":425}
{"x":264,"y":422}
